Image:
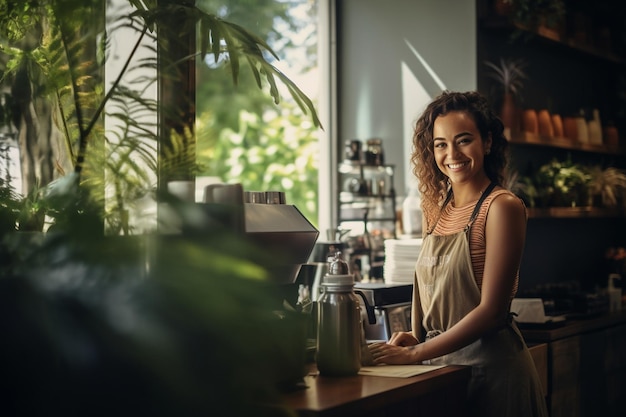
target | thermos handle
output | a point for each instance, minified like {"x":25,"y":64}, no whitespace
{"x":371,"y":318}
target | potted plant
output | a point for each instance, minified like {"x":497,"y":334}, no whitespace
{"x":607,"y":187}
{"x":524,"y":188}
{"x":509,"y":75}
{"x":563,"y":184}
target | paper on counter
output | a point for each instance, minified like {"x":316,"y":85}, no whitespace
{"x":531,"y":310}
{"x":398,"y":371}
{"x":528,"y":310}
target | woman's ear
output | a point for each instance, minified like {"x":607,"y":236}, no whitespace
{"x":487,"y":144}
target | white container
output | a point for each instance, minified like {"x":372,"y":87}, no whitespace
{"x":412,"y":214}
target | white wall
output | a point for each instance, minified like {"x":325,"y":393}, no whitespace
{"x":394,"y":56}
{"x":122,"y":40}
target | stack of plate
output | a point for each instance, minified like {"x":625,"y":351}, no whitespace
{"x":400,"y":258}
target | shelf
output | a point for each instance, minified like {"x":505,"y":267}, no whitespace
{"x":367,"y":196}
{"x":574,"y":213}
{"x":551,"y":37}
{"x":526,"y":138}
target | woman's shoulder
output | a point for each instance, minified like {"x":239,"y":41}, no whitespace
{"x":503,"y":201}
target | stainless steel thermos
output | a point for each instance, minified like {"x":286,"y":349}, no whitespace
{"x":339,"y":329}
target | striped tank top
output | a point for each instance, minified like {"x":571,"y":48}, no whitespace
{"x":454,"y":219}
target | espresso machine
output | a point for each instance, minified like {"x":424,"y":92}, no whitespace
{"x":391,"y":303}
{"x":279,"y":230}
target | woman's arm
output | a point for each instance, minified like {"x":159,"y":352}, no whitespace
{"x":505,"y":234}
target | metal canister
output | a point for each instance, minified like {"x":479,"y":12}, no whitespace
{"x":339,"y":323}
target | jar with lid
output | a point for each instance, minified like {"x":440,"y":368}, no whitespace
{"x":374,"y":154}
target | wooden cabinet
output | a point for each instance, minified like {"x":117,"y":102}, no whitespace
{"x":564,"y":389}
{"x":615,"y":366}
{"x":586,"y":367}
{"x":539,"y":354}
{"x":588,"y":379}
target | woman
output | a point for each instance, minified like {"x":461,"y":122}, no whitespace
{"x":467,"y":272}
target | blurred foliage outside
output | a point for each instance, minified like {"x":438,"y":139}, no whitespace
{"x":242,"y":136}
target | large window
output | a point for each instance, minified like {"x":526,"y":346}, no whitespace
{"x":242,"y":135}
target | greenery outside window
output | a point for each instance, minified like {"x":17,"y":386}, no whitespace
{"x":242,"y":136}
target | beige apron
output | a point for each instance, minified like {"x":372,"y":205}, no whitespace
{"x":504,"y":380}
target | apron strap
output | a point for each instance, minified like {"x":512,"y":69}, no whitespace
{"x":483,"y":196}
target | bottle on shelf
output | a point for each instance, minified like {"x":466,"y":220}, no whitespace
{"x":581,"y":127}
{"x":594,"y":128}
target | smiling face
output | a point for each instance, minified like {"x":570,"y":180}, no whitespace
{"x":458,"y":147}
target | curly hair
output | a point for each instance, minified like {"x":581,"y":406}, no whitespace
{"x":433,"y":184}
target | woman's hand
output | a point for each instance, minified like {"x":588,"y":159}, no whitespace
{"x":402,"y":339}
{"x":392,"y":354}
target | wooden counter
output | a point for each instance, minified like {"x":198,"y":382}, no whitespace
{"x":440,"y":392}
{"x":574,"y":327}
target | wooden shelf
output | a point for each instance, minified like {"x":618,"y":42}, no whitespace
{"x":574,"y":213}
{"x":526,"y":138}
{"x":504,"y":23}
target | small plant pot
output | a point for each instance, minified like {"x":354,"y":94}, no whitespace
{"x":544,"y":123}
{"x":530,"y":123}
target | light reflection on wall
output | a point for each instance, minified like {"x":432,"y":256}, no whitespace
{"x":363,"y":112}
{"x":412,"y":106}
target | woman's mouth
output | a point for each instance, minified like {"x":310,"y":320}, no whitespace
{"x":457,"y":165}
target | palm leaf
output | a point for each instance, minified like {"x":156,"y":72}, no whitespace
{"x":509,"y":73}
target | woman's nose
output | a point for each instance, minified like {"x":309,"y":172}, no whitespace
{"x":453,"y":150}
